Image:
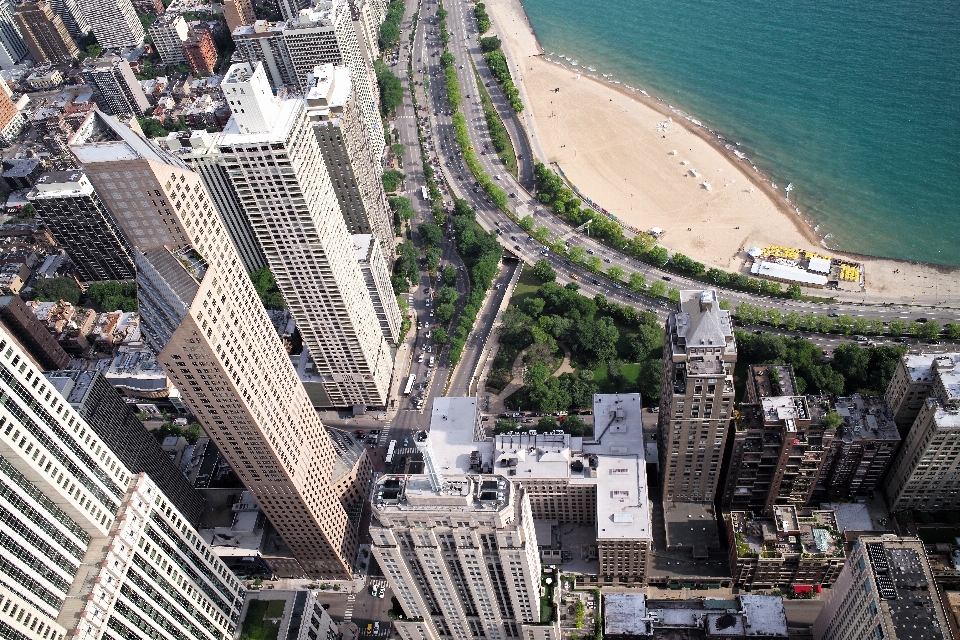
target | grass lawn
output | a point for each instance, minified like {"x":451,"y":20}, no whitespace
{"x":527,"y":285}
{"x":257,"y":625}
{"x":630,"y":372}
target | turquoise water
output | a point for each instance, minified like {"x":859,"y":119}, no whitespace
{"x":856,"y":103}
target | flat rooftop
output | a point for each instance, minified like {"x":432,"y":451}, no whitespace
{"x":865,"y":418}
{"x":287,"y":113}
{"x":744,"y":616}
{"x":396,"y":493}
{"x":789,"y":533}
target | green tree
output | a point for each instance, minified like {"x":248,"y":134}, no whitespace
{"x":450,"y":276}
{"x":658,"y":288}
{"x":392,"y":179}
{"x":616,"y":273}
{"x":929,"y":331}
{"x":674,"y":295}
{"x":657,"y":256}
{"x":267,"y":289}
{"x":445,"y":312}
{"x":637,"y":281}
{"x":54,"y":289}
{"x":542,"y":234}
{"x":594,"y":263}
{"x":430,"y":233}
{"x":489,"y":44}
{"x":439,"y":335}
{"x":914,"y":329}
{"x":897,"y":327}
{"x":791,"y":321}
{"x":844,"y":324}
{"x":861,"y":326}
{"x":794,"y":292}
{"x":774,"y":316}
{"x":527,"y":223}
{"x":952,"y":330}
{"x":544,"y":271}
{"x":577,"y":254}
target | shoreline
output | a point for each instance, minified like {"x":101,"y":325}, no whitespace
{"x":607,"y":139}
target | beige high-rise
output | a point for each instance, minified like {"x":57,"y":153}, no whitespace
{"x":217,"y":344}
{"x":44,"y":32}
{"x":274,"y":160}
{"x":696,"y":398}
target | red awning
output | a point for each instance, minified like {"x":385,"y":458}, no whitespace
{"x":802,"y":588}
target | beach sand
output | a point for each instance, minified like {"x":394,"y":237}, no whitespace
{"x":610,"y":142}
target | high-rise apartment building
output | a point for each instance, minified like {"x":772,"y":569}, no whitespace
{"x":911,"y":385}
{"x":321,"y":34}
{"x":218,"y":345}
{"x":117,"y":424}
{"x":11,"y":120}
{"x":376,"y":275}
{"x":200,"y":50}
{"x":276,"y":166}
{"x":72,"y":17}
{"x":779,"y":443}
{"x":290,"y":9}
{"x":114,"y":22}
{"x":13,"y":49}
{"x":22,"y":324}
{"x":169,"y":32}
{"x":199,"y":150}
{"x":44,"y":32}
{"x":115,"y":87}
{"x":238,"y":13}
{"x":696,"y":399}
{"x":89,"y":549}
{"x":344,"y":141}
{"x":149,"y":6}
{"x":885,"y":591}
{"x":367,"y":29}
{"x":924,"y":475}
{"x":461,"y":556}
{"x":70,"y":208}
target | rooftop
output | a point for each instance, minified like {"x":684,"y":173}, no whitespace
{"x":460,"y":493}
{"x":865,"y":418}
{"x":745,"y":616}
{"x":102,"y":138}
{"x":328,"y":87}
{"x":699,"y":321}
{"x":948,"y":373}
{"x":287,"y":112}
{"x":813,"y":533}
{"x":60,"y":184}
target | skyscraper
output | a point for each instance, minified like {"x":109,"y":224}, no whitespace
{"x":12,"y":47}
{"x":461,"y":555}
{"x":238,"y":13}
{"x":199,"y":150}
{"x":72,"y":17}
{"x":886,"y":590}
{"x":344,"y":142}
{"x":321,"y":34}
{"x":376,"y":275}
{"x":169,"y":32}
{"x":22,"y":325}
{"x":117,"y":424}
{"x":87,"y":548}
{"x":114,"y":22}
{"x":696,"y":400}
{"x":44,"y":32}
{"x":115,"y":87}
{"x":69,"y":206}
{"x":275,"y":164}
{"x":367,"y":29}
{"x":218,"y":345}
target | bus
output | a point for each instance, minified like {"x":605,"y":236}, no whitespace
{"x":389,"y":458}
{"x":407,"y":389}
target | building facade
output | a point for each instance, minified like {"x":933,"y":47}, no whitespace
{"x":13,"y":49}
{"x":169,"y":32}
{"x":114,"y":22}
{"x":367,"y":29}
{"x":68,"y":205}
{"x":911,"y":385}
{"x":461,"y":556}
{"x":199,"y":150}
{"x":886,"y":590}
{"x":275,"y":164}
{"x":22,"y":325}
{"x":44,"y":32}
{"x":117,"y":424}
{"x":200,"y":50}
{"x":115,"y":87}
{"x":72,"y":17}
{"x":696,"y":402}
{"x":924,"y":475}
{"x":218,"y":345}
{"x":779,"y":443}
{"x":376,"y":275}
{"x":90,"y":549}
{"x":344,"y":141}
{"x":238,"y":13}
{"x":11,"y":120}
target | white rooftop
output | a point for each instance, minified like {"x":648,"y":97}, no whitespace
{"x":820,"y":265}
{"x":289,"y":109}
{"x":625,"y":614}
{"x":769,"y":269}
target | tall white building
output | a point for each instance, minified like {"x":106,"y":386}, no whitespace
{"x":275,"y":163}
{"x":344,"y":142}
{"x":88,"y":549}
{"x":367,"y":28}
{"x":13,"y":49}
{"x":169,"y":32}
{"x":72,"y":17}
{"x":218,"y":346}
{"x":114,"y":22}
{"x":461,"y":556}
{"x":376,"y":275}
{"x":321,"y":34}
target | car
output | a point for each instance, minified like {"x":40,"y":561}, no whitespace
{"x":496,"y":222}
{"x":595,"y":281}
{"x":369,"y":628}
{"x":513,"y":195}
{"x":483,"y":153}
{"x":833,"y":315}
{"x":514,"y":238}
{"x":496,"y":177}
{"x":517,"y":247}
{"x":667,"y":278}
{"x":428,"y":334}
{"x":406,"y":442}
{"x":359,"y":432}
{"x":607,"y":260}
{"x":574,"y":276}
{"x":381,"y":592}
{"x":591,"y":251}
{"x":921,"y":320}
{"x":499,"y":232}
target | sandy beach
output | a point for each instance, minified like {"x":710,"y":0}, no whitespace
{"x":617,"y":146}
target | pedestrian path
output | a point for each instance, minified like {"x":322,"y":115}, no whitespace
{"x":348,"y":612}
{"x":384,"y":436}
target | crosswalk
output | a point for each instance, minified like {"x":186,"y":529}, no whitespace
{"x":404,"y":451}
{"x":348,"y":612}
{"x":384,"y":438}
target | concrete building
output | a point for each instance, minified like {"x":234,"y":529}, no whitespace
{"x":118,"y":425}
{"x":461,"y":556}
{"x":886,"y":590}
{"x":634,"y":616}
{"x":376,"y":275}
{"x":169,"y":32}
{"x":13,"y":49}
{"x":72,"y":17}
{"x":779,"y":443}
{"x":114,"y":22}
{"x":792,"y":550}
{"x":115,"y":87}
{"x":22,"y":325}
{"x":287,"y":193}
{"x":599,"y":482}
{"x":696,"y":401}
{"x":318,"y":35}
{"x":44,"y":32}
{"x":290,"y":9}
{"x":344,"y":141}
{"x":199,"y":150}
{"x":11,"y":120}
{"x":924,"y":475}
{"x":238,"y":13}
{"x":68,"y":205}
{"x":218,"y":345}
{"x":862,"y":449}
{"x":90,"y":549}
{"x":199,"y":50}
{"x":366,"y":28}
{"x":911,"y":385}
